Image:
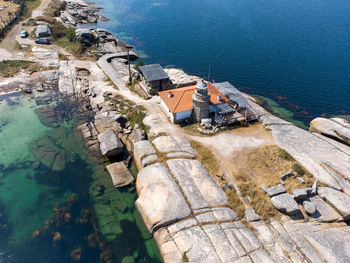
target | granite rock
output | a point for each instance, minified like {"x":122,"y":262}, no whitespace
{"x":120,"y":174}
{"x":276,"y":190}
{"x":338,"y":199}
{"x":300,"y":194}
{"x":144,"y":154}
{"x":285,"y":203}
{"x":160,"y":201}
{"x":110,"y":144}
{"x":309,"y":207}
{"x":337,"y":128}
{"x":250,"y":215}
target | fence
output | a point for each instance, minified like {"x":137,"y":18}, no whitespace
{"x":4,"y":28}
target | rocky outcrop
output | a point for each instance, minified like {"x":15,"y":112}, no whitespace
{"x":67,"y":78}
{"x":120,"y":174}
{"x":85,"y":36}
{"x":174,"y":146}
{"x":42,"y":31}
{"x":250,"y":215}
{"x":335,"y":127}
{"x":110,"y":144}
{"x":144,"y":154}
{"x":199,"y":188}
{"x":326,"y":162}
{"x":338,"y":199}
{"x":180,"y":79}
{"x":160,"y":200}
{"x":78,"y":13}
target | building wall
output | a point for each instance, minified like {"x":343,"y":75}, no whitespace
{"x":167,"y":111}
{"x":180,"y":116}
{"x":160,"y":85}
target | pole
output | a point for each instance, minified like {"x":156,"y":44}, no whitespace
{"x":129,"y":68}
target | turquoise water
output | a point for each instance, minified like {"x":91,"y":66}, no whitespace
{"x":57,"y":203}
{"x":294,"y":52}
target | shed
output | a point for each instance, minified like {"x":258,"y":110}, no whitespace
{"x":155,"y":75}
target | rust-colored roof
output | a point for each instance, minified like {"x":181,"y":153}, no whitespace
{"x":181,"y":99}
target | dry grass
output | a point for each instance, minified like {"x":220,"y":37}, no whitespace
{"x":235,"y":203}
{"x":207,"y":158}
{"x":264,"y":166}
{"x":12,"y":8}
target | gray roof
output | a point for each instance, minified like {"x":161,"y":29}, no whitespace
{"x":222,"y":108}
{"x":153,"y":72}
{"x":233,"y":94}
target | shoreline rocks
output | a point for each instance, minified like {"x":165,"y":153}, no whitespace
{"x":110,"y":144}
{"x":120,"y":174}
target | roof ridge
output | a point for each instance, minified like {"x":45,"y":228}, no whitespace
{"x":183,"y":92}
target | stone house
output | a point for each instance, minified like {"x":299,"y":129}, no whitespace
{"x":156,"y":77}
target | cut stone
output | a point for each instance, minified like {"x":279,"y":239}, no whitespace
{"x":300,"y":194}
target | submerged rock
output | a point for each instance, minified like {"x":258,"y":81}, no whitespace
{"x":50,"y":116}
{"x":48,"y":153}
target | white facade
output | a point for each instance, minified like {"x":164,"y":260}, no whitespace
{"x":177,"y":117}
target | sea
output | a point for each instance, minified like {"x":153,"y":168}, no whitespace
{"x":295,"y":55}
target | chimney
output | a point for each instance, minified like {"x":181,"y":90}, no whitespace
{"x":219,"y":98}
{"x":170,"y":95}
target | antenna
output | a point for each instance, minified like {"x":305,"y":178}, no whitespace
{"x":209,"y":73}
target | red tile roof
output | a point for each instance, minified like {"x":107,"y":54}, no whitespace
{"x":181,"y":99}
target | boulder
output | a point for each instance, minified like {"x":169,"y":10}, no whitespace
{"x":336,"y":128}
{"x":275,"y":190}
{"x":300,"y":194}
{"x":110,"y":144}
{"x":324,"y":212}
{"x":309,"y":207}
{"x":42,"y":31}
{"x":250,"y":215}
{"x":337,"y":199}
{"x":120,"y":174}
{"x":286,"y":175}
{"x":85,"y":36}
{"x":160,"y":201}
{"x":286,"y":203}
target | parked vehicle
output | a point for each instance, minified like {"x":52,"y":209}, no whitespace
{"x":24,"y":34}
{"x":42,"y":41}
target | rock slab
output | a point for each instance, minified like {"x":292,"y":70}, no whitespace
{"x":120,"y":174}
{"x":110,"y":144}
{"x":286,"y":203}
{"x":338,"y":199}
{"x":160,"y":201}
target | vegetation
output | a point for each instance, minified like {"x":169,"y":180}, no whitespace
{"x":235,"y":203}
{"x":55,"y":7}
{"x":136,"y":116}
{"x":207,"y":158}
{"x":138,"y":64}
{"x":9,"y":68}
{"x":264,"y":166}
{"x":28,"y":7}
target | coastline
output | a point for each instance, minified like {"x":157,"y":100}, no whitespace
{"x":114,"y":109}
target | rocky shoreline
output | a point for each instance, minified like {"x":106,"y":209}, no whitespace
{"x":183,"y":207}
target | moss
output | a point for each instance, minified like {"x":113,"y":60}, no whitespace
{"x":185,"y":258}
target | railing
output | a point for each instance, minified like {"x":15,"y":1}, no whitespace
{"x":7,"y":26}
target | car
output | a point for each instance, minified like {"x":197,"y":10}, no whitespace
{"x":24,"y":34}
{"x":43,"y":41}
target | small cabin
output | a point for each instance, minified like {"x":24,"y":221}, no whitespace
{"x":156,"y":77}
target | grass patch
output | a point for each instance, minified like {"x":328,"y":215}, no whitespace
{"x":136,"y":116}
{"x":235,"y":203}
{"x":207,"y":158}
{"x":54,"y":8}
{"x":112,"y":83}
{"x":264,"y":166}
{"x":28,"y":7}
{"x":9,"y":68}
